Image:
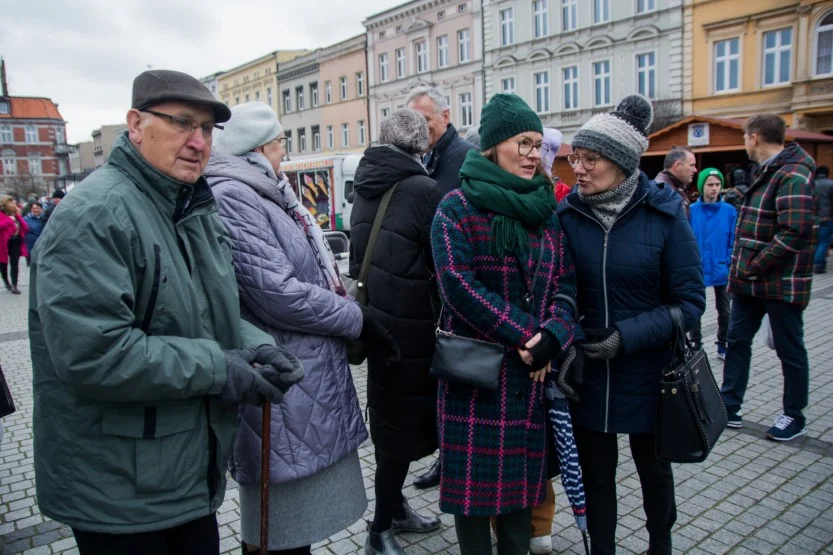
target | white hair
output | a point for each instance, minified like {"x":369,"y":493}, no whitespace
{"x":435,"y":94}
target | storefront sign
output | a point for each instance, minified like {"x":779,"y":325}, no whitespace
{"x":698,"y":134}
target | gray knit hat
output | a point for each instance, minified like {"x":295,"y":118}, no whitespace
{"x":251,"y":125}
{"x":620,"y":135}
{"x":407,"y":129}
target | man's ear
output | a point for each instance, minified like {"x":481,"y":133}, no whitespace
{"x":134,"y":125}
{"x":447,"y":116}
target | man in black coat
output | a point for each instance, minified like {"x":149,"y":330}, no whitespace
{"x":447,"y":148}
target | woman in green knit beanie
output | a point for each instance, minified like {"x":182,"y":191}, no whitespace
{"x":503,"y":274}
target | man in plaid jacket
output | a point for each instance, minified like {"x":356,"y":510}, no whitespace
{"x":772,"y":271}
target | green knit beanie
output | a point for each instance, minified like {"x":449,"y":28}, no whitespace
{"x":707,"y":173}
{"x":504,"y":116}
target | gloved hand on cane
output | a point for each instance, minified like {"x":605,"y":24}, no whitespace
{"x":247,"y":384}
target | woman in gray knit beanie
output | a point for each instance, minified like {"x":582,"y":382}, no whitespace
{"x":635,"y":256}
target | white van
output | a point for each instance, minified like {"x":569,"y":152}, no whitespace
{"x":323,"y":184}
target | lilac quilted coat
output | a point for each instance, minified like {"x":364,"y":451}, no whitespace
{"x":284,"y":292}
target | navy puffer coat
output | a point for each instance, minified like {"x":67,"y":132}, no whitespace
{"x":627,"y":277}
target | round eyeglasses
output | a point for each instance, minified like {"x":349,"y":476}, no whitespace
{"x":588,"y":161}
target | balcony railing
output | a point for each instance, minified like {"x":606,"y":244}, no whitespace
{"x":63,"y":149}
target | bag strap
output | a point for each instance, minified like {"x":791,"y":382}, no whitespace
{"x":679,"y":328}
{"x":374,"y":236}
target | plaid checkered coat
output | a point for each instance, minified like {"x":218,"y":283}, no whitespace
{"x":775,"y":235}
{"x":493,"y":443}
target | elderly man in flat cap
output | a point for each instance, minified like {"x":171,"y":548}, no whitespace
{"x":139,"y":355}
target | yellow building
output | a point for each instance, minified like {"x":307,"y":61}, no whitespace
{"x":751,"y":56}
{"x":256,"y":80}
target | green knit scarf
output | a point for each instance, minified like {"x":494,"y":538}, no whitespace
{"x":517,"y":203}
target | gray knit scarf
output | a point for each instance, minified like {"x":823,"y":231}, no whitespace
{"x":608,"y":205}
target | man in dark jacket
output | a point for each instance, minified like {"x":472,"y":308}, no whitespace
{"x":447,"y":149}
{"x":678,"y":173}
{"x":139,"y":355}
{"x":56,"y":198}
{"x":772,"y":271}
{"x":823,"y":191}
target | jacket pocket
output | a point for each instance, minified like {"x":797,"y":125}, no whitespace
{"x":162,"y":441}
{"x":748,"y":250}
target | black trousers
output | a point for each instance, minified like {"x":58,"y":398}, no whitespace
{"x":598,"y":455}
{"x":724,"y":309}
{"x":198,"y":537}
{"x":15,"y":244}
{"x":390,"y":477}
{"x":513,"y":533}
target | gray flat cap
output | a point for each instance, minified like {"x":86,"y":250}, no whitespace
{"x":163,"y":85}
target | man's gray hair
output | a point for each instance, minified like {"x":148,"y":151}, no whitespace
{"x":433,"y":93}
{"x":675,"y":155}
{"x":407,"y":129}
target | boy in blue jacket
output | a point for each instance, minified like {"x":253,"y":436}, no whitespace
{"x":713,"y":222}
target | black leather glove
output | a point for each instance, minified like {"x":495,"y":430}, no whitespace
{"x":248,"y":385}
{"x":571,"y":372}
{"x":544,"y":351}
{"x":602,"y":343}
{"x":290,"y":369}
{"x":378,"y":339}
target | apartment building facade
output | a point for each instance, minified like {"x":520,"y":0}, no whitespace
{"x":426,"y":42}
{"x":254,"y":81}
{"x":344,"y":82}
{"x":571,"y":59}
{"x":762,"y":56}
{"x":300,"y":104}
{"x":103,"y":140}
{"x":210,"y":82}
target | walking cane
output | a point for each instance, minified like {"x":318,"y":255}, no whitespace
{"x":266,"y":439}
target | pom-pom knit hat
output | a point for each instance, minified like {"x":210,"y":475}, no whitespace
{"x":504,"y":116}
{"x":620,"y":135}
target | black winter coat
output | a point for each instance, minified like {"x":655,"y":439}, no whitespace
{"x":402,"y":400}
{"x":627,"y":277}
{"x":447,"y":159}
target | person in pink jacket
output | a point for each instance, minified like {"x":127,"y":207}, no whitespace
{"x":12,"y":233}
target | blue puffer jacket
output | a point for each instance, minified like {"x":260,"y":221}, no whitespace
{"x":627,"y":277}
{"x":714,"y":228}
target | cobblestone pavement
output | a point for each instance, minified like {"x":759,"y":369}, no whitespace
{"x":751,"y":495}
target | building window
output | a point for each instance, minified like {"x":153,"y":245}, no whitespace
{"x":601,"y":11}
{"x":257,"y":96}
{"x":313,"y":94}
{"x":362,"y":132}
{"x":59,"y":136}
{"x":35,"y":167}
{"x":570,"y":87}
{"x":9,"y":166}
{"x":328,"y":92}
{"x":330,"y":139}
{"x":247,"y":98}
{"x":360,"y":84}
{"x":237,"y":100}
{"x":440,"y":15}
{"x":383,"y":67}
{"x":345,"y":135}
{"x":399,"y":28}
{"x":288,"y":134}
{"x":461,"y":8}
{"x":269,"y":96}
{"x":463,"y":42}
{"x":824,"y":46}
{"x":507,"y":85}
{"x":31,"y":134}
{"x":385,"y":112}
{"x":287,"y":101}
{"x":316,"y":138}
{"x":540,"y":23}
{"x":646,"y":74}
{"x":507,"y":27}
{"x":727,"y":65}
{"x":400,"y":63}
{"x":343,"y":88}
{"x":465,"y":110}
{"x":6,"y":136}
{"x":601,"y":82}
{"x":302,"y":140}
{"x":421,"y":56}
{"x":645,"y":6}
{"x":777,"y":56}
{"x":299,"y":98}
{"x":381,"y":34}
{"x":569,"y":15}
{"x":442,"y":51}
{"x":542,"y":92}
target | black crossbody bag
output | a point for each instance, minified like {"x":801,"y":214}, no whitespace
{"x":690,"y":414}
{"x":6,"y":401}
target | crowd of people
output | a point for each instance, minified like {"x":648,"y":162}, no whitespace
{"x":183,"y":286}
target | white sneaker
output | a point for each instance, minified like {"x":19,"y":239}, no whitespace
{"x":541,"y":545}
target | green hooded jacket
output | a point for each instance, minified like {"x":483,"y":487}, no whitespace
{"x":133,"y":300}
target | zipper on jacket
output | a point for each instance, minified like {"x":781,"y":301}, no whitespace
{"x":211,"y":471}
{"x":154,"y":289}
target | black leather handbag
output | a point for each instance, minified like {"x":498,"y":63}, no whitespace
{"x":690,"y":414}
{"x":6,"y":401}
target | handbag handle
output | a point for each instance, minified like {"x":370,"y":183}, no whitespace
{"x":677,"y":321}
{"x":371,"y":243}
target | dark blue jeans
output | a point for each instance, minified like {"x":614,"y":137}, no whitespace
{"x":825,"y":234}
{"x":787,"y":322}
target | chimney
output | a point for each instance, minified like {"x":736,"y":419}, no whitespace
{"x":5,"y":87}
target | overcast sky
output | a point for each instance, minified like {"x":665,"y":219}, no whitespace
{"x":84,"y":54}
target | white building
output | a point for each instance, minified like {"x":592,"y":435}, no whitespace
{"x":210,"y":82}
{"x":426,"y":42}
{"x":571,"y":59}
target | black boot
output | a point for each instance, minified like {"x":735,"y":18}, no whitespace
{"x":414,"y":522}
{"x":430,"y":479}
{"x":8,"y":285}
{"x":382,"y":543}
